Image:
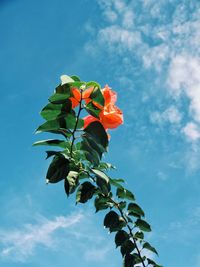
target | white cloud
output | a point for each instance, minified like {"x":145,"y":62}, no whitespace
{"x":169,"y":47}
{"x":171,"y":114}
{"x":117,"y":36}
{"x":155,"y":56}
{"x":191,"y":131}
{"x":97,"y":254}
{"x":184,"y":77}
{"x":19,"y":244}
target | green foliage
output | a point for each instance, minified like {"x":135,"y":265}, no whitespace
{"x":51,"y":142}
{"x":101,"y":203}
{"x":120,"y":237}
{"x":127,"y":247}
{"x":143,"y":225}
{"x":135,"y":210}
{"x":124,"y":193}
{"x":58,"y":169}
{"x":79,"y":164}
{"x":97,"y":96}
{"x":139,"y":235}
{"x":93,"y":110}
{"x":129,"y":260}
{"x":71,"y":182}
{"x":96,"y":131}
{"x":153,"y":263}
{"x":146,"y":245}
{"x":62,"y":93}
{"x":85,"y":192}
{"x":113,"y":221}
{"x":75,"y":78}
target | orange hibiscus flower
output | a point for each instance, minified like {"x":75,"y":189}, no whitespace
{"x":76,"y":98}
{"x":110,"y":116}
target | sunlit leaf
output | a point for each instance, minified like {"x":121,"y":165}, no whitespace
{"x":124,"y":193}
{"x":146,"y":245}
{"x":102,"y":203}
{"x":135,"y":210}
{"x":71,"y":182}
{"x":143,"y":225}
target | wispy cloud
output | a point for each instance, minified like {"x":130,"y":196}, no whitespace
{"x":171,"y":114}
{"x":185,"y":228}
{"x":160,"y":39}
{"x":98,"y":253}
{"x":19,"y":244}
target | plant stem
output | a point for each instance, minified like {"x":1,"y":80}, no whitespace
{"x":75,"y":127}
{"x":111,"y":200}
{"x":129,"y":228}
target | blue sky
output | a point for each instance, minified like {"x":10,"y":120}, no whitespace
{"x":146,"y":50}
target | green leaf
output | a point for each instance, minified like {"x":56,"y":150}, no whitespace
{"x":71,"y":182}
{"x":75,"y":78}
{"x":93,"y":84}
{"x":94,"y":145}
{"x":93,"y":110}
{"x":143,"y":225}
{"x":61,"y":95}
{"x":51,"y":142}
{"x":124,"y":193}
{"x":77,"y":84}
{"x":103,"y":185}
{"x":135,"y":210}
{"x":48,"y":126}
{"x":63,"y":88}
{"x":53,"y":153}
{"x":58,"y":169}
{"x":100,"y":174}
{"x":153,"y":263}
{"x":66,"y":122}
{"x":138,"y":259}
{"x":127,"y":247}
{"x":102,"y":181}
{"x":102,"y":203}
{"x":129,"y":260}
{"x":116,"y":182}
{"x":97,"y":95}
{"x":63,"y":153}
{"x":146,"y":245}
{"x":139,"y":235}
{"x":58,"y":98}
{"x":122,"y":205}
{"x":120,"y":237}
{"x":113,"y":221}
{"x":106,"y":166}
{"x":85,"y":192}
{"x":90,"y":154}
{"x":51,"y":111}
{"x":98,"y":133}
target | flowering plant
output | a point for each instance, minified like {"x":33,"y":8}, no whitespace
{"x":78,"y":162}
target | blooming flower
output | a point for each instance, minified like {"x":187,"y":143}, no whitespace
{"x":110,"y":116}
{"x":76,"y":98}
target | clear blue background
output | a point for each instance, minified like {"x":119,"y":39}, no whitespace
{"x":114,"y":42}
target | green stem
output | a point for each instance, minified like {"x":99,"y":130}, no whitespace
{"x":129,"y":228}
{"x":75,"y":127}
{"x":125,"y":219}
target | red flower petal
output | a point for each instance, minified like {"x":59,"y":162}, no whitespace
{"x":88,"y":119}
